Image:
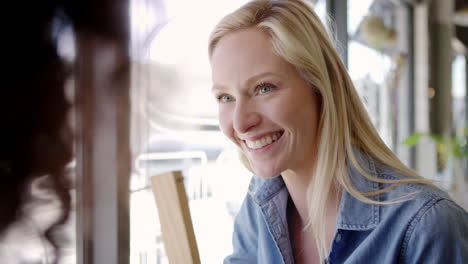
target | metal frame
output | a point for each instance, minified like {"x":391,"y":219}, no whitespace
{"x":426,"y":150}
{"x":338,"y":10}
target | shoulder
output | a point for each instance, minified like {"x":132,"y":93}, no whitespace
{"x":419,"y":201}
{"x":440,"y":215}
{"x":439,"y":230}
{"x":419,"y":193}
{"x":434,"y":227}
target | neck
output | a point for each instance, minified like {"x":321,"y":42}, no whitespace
{"x":297,"y":184}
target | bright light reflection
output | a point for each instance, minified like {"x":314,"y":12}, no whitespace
{"x":459,"y":77}
{"x":374,"y":65}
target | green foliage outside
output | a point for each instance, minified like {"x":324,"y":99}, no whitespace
{"x":452,"y":146}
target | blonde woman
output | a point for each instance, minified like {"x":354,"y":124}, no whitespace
{"x":326,"y":188}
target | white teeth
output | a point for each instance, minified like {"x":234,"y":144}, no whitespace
{"x":260,"y":143}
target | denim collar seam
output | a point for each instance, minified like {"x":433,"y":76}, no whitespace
{"x":266,"y":191}
{"x":414,"y":222}
{"x":375,"y":208}
{"x":273,"y":221}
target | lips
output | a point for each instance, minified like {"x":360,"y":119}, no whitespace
{"x":264,"y":140}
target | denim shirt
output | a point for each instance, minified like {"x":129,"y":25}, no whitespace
{"x":430,"y":228}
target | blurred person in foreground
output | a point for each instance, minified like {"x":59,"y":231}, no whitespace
{"x":36,"y":138}
{"x":326,"y":187}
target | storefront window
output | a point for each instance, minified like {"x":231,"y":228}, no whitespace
{"x":175,"y":126}
{"x":375,"y":77}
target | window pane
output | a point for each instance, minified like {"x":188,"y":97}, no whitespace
{"x":175,"y":126}
{"x":459,"y":93}
{"x":375,"y":76}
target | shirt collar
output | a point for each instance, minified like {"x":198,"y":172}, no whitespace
{"x":352,"y":214}
{"x":262,"y":190}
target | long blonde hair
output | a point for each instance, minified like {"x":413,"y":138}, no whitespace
{"x":299,"y":37}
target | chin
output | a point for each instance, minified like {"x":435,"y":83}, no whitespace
{"x":266,"y":170}
{"x":267,"y":174}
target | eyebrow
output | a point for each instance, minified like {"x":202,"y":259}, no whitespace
{"x":216,"y":87}
{"x":250,"y":80}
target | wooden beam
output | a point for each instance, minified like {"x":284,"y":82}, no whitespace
{"x":174,"y":215}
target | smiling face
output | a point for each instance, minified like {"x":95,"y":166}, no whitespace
{"x":265,"y":107}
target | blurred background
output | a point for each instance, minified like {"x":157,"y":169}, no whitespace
{"x":144,"y":107}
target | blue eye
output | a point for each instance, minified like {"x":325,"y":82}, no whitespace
{"x":265,"y":88}
{"x":224,"y":98}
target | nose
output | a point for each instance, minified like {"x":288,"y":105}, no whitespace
{"x":245,"y":117}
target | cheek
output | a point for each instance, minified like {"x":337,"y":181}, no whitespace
{"x":300,"y":115}
{"x":287,"y":111}
{"x":308,"y":117}
{"x":225,"y":123}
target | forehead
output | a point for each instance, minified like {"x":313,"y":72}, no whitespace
{"x":245,"y":53}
